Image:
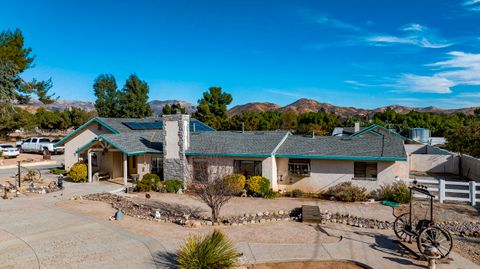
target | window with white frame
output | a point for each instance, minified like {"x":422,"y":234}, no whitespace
{"x":299,"y":167}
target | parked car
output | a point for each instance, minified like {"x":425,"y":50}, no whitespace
{"x":9,"y":151}
{"x":40,"y":145}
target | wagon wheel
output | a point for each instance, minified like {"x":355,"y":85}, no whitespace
{"x":435,"y":237}
{"x":401,"y":226}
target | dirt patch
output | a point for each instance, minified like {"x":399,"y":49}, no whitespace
{"x":467,"y":247}
{"x":273,"y":232}
{"x":310,"y":265}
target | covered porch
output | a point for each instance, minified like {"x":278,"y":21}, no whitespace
{"x":106,"y":160}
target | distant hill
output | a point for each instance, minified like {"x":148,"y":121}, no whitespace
{"x":253,"y":107}
{"x":300,"y":106}
{"x":158,"y":105}
{"x":61,"y":105}
{"x":308,"y":105}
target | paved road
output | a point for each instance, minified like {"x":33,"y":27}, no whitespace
{"x":35,"y":233}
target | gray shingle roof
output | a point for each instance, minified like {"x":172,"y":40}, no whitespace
{"x":231,"y":143}
{"x":137,"y":142}
{"x":118,"y":124}
{"x":333,"y":147}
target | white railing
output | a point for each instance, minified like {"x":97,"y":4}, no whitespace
{"x":444,"y":191}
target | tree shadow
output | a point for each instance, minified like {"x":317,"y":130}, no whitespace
{"x":165,"y":259}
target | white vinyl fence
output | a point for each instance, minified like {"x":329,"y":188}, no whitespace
{"x":449,"y":190}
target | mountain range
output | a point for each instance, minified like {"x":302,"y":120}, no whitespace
{"x":302,"y":105}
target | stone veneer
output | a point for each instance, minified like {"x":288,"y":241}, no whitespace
{"x":174,"y":159}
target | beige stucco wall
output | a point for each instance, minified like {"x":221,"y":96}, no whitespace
{"x":221,"y":166}
{"x":434,"y":163}
{"x":79,"y":140}
{"x":327,"y":173}
{"x":471,"y":167}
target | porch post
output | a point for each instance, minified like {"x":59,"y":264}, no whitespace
{"x":89,"y":154}
{"x":125,"y":169}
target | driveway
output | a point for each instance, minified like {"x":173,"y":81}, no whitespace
{"x":35,"y":233}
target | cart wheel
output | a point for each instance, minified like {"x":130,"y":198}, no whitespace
{"x":435,"y":237}
{"x":402,"y":228}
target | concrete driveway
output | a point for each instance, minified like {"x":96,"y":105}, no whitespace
{"x":35,"y":233}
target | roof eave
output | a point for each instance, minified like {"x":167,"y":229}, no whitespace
{"x":63,"y":140}
{"x":341,"y":158}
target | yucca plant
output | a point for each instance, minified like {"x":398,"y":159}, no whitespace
{"x":212,"y":251}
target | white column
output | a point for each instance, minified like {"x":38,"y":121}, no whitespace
{"x":473,"y":193}
{"x":125,"y":169}
{"x":89,"y":154}
{"x":441,"y":190}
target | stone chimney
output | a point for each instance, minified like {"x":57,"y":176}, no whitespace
{"x":176,"y":140}
{"x":357,"y":126}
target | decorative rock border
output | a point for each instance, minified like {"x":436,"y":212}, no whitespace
{"x":146,"y":212}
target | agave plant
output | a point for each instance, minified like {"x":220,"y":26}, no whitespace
{"x":212,"y":251}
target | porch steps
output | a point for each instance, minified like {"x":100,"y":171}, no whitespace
{"x":311,"y":214}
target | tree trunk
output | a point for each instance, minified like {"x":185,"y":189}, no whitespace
{"x":214,"y":215}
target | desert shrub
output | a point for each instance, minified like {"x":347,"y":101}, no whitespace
{"x":347,"y":192}
{"x":173,"y":185}
{"x":78,"y":172}
{"x":270,"y":194}
{"x":296,"y":193}
{"x":58,"y":171}
{"x":235,"y":182}
{"x":258,"y":185}
{"x":211,"y":251}
{"x":396,"y":192}
{"x":149,"y":182}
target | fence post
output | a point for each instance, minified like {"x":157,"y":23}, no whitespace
{"x":441,"y":190}
{"x":473,"y":192}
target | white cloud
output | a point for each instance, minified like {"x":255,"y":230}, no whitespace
{"x":428,"y":84}
{"x":459,"y":69}
{"x":469,"y":95}
{"x":463,"y":68}
{"x":285,"y":93}
{"x":413,"y":27}
{"x":416,"y":34}
{"x":472,"y":5}
{"x":330,"y":21}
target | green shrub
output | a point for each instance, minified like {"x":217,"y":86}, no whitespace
{"x":347,"y":192}
{"x":235,"y":182}
{"x":258,"y":185}
{"x":395,"y":192}
{"x":211,"y":251}
{"x":58,"y":171}
{"x":149,"y":182}
{"x":173,"y":185}
{"x":296,"y":193}
{"x":78,"y":172}
{"x":270,"y":194}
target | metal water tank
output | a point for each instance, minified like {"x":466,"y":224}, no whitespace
{"x":420,"y":134}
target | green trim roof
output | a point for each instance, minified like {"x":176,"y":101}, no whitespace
{"x":387,"y":148}
{"x":98,"y":120}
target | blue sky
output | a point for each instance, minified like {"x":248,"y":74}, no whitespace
{"x":350,"y":53}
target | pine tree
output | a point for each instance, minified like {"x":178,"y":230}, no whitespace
{"x":133,"y":99}
{"x":106,"y":91}
{"x":212,"y":108}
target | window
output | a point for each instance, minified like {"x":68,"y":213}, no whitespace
{"x":247,"y":168}
{"x":365,"y":170}
{"x":134,"y":161}
{"x":99,"y":127}
{"x":200,"y":170}
{"x":27,"y":141}
{"x":157,"y":167}
{"x":44,"y":140}
{"x":34,"y":140}
{"x":299,"y":167}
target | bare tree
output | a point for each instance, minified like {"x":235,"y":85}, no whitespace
{"x":208,"y":185}
{"x":215,"y":194}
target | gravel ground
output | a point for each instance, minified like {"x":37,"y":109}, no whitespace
{"x":272,"y":232}
{"x":468,"y":247}
{"x":239,"y":206}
